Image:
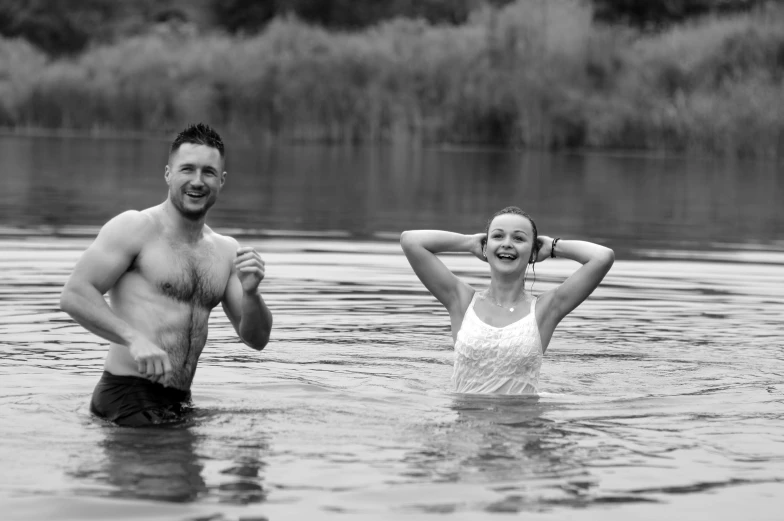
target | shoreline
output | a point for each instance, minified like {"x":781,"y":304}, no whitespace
{"x":646,"y":153}
{"x":771,"y":252}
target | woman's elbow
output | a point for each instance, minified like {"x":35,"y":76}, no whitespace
{"x":608,"y":257}
{"x":67,"y":300}
{"x":407,"y":239}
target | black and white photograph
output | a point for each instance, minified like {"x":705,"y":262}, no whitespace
{"x":460,"y":260}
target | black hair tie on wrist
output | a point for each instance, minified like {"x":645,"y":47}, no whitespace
{"x":552,"y":248}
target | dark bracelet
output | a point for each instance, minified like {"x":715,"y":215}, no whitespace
{"x":552,"y":248}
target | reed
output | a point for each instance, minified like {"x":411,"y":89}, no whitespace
{"x":532,"y":74}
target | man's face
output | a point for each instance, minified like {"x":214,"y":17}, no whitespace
{"x":195,"y":177}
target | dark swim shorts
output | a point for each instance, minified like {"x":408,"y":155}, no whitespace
{"x":131,"y":401}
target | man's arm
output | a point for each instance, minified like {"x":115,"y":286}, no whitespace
{"x":242,"y":302}
{"x":96,"y":272}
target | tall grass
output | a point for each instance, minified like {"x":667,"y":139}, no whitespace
{"x":531,"y":74}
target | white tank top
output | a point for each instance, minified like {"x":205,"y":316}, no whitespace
{"x":500,"y":360}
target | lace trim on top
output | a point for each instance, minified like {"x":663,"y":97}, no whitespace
{"x":500,"y":360}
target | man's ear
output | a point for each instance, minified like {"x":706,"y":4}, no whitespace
{"x":166,"y":173}
{"x":223,"y":178}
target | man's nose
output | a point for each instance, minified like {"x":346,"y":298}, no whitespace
{"x":198,"y":179}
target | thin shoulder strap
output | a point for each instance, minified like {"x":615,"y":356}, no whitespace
{"x":470,"y":304}
{"x":533,"y":305}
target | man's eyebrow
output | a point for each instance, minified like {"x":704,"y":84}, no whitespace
{"x":192,"y":165}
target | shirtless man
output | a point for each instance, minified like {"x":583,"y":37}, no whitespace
{"x":165,"y":270}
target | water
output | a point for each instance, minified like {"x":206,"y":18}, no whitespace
{"x":662,"y":392}
{"x":662,"y":395}
{"x":622,"y":201}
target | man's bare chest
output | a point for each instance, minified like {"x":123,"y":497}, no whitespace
{"x":190,"y":275}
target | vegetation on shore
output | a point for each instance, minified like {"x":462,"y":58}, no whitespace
{"x":528,"y":74}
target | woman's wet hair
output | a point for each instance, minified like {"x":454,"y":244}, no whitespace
{"x":514,"y":210}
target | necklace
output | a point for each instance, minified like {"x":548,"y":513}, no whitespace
{"x":511,"y":308}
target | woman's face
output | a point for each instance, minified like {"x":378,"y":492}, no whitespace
{"x":510,"y":241}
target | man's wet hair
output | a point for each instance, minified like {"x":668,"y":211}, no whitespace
{"x":198,"y":134}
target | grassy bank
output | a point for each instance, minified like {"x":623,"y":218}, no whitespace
{"x":532,"y":74}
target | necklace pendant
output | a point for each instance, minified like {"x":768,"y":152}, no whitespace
{"x":511,"y":310}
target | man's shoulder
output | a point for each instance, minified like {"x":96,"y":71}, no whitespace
{"x":144,"y":217}
{"x":131,"y":224}
{"x":134,"y":221}
{"x":223,"y":242}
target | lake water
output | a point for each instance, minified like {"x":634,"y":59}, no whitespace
{"x":661,"y":396}
{"x":623,"y":201}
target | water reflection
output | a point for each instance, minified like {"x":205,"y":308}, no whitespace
{"x":158,"y":463}
{"x":619,"y":200}
{"x":510,"y":439}
{"x":169,"y":464}
{"x":512,"y":447}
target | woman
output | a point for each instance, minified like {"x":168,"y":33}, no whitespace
{"x":500,"y":334}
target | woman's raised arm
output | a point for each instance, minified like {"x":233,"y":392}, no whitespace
{"x":421,"y":247}
{"x":596,"y":261}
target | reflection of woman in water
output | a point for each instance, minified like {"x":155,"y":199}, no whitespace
{"x":500,"y":334}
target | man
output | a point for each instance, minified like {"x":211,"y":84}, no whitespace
{"x":165,"y":270}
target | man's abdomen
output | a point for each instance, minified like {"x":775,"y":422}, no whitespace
{"x":178,"y":329}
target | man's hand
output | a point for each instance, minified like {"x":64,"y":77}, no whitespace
{"x":152,"y":361}
{"x":250,"y":268}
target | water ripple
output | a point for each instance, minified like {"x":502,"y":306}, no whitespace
{"x":665,"y":385}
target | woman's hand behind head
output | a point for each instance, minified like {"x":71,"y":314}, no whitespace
{"x":478,"y":243}
{"x":545,"y":247}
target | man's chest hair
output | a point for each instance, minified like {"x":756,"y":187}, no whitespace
{"x":196,"y":276}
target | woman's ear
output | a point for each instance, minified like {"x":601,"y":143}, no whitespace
{"x":535,"y":251}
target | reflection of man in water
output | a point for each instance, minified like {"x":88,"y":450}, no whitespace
{"x":168,"y":465}
{"x":165,"y":270}
{"x":159,"y":464}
